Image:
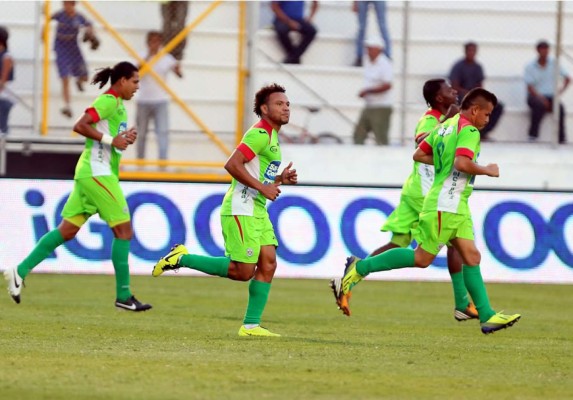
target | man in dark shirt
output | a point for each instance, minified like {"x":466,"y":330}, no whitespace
{"x":290,"y":16}
{"x":467,"y":74}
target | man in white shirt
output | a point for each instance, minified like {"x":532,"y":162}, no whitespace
{"x":377,"y":93}
{"x":540,"y":80}
{"x":152,"y":100}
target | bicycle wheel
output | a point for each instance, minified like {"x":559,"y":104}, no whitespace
{"x":327,"y":138}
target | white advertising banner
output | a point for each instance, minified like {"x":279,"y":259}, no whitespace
{"x":522,"y":236}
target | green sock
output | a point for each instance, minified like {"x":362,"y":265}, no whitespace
{"x":258,"y":296}
{"x":460,"y":292}
{"x":218,"y":266}
{"x":46,"y":245}
{"x":476,"y":287}
{"x":119,"y":258}
{"x":391,"y":259}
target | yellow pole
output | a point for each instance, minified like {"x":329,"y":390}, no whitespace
{"x":178,"y":38}
{"x":241,"y":73}
{"x":159,"y":80}
{"x":46,"y":69}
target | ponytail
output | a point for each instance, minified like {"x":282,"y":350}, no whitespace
{"x":102,"y":76}
{"x":120,"y":70}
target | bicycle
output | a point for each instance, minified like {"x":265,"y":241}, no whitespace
{"x":305,"y":136}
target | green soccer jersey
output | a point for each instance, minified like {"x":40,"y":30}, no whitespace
{"x":110,"y":118}
{"x":261,"y":147}
{"x":420,"y":180}
{"x":451,"y":188}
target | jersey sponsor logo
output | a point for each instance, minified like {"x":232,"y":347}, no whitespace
{"x":445,"y":130}
{"x":274,"y":149}
{"x":271,"y":172}
{"x":121,"y":128}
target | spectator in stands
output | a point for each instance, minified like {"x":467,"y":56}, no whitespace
{"x":289,"y":16}
{"x":361,"y":10}
{"x":69,"y":58}
{"x":540,"y":80}
{"x":467,"y":74}
{"x":377,"y":93}
{"x":152,"y":100}
{"x":174,"y":15}
{"x":6,"y":78}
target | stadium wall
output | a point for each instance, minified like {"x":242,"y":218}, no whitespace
{"x":524,"y":236}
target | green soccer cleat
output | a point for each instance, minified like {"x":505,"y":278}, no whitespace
{"x":499,"y":321}
{"x":351,"y":276}
{"x":256,"y":331}
{"x":170,"y":261}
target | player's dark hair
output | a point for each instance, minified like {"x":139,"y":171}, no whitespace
{"x":120,"y":70}
{"x":431,"y":89}
{"x":262,"y":96}
{"x":151,"y":34}
{"x":476,"y":94}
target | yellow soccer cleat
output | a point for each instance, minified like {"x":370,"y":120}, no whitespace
{"x":170,"y":261}
{"x":256,"y":331}
{"x":351,"y":276}
{"x":499,"y":321}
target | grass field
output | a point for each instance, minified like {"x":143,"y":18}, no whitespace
{"x":67,"y":341}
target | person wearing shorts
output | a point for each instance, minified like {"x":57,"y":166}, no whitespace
{"x":96,"y":185}
{"x":442,"y":99}
{"x":453,"y":149}
{"x":250,"y":240}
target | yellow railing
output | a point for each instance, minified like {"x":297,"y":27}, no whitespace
{"x":178,"y":170}
{"x":155,"y":76}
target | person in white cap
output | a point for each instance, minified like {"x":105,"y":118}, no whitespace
{"x":377,"y":93}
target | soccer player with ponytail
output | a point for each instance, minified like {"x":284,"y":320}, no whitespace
{"x":96,"y":184}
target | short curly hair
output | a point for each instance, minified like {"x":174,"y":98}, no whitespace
{"x":262,"y":96}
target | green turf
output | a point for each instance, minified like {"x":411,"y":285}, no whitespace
{"x":67,"y":341}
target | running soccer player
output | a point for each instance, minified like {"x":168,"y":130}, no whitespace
{"x":452,"y":148}
{"x":441,"y":98}
{"x":250,"y":241}
{"x":96,"y":184}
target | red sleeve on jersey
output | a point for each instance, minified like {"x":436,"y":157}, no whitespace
{"x":465,"y":152}
{"x":425,"y":147}
{"x":246,"y":150}
{"x":93,"y":113}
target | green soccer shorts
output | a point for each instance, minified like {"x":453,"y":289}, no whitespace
{"x":98,"y":194}
{"x":437,"y":228}
{"x":244,"y":235}
{"x":403,"y":220}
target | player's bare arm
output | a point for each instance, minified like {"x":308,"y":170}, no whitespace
{"x":466,"y":165}
{"x":84,"y":127}
{"x":235,"y":166}
{"x":421,"y":156}
{"x":288,"y":176}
